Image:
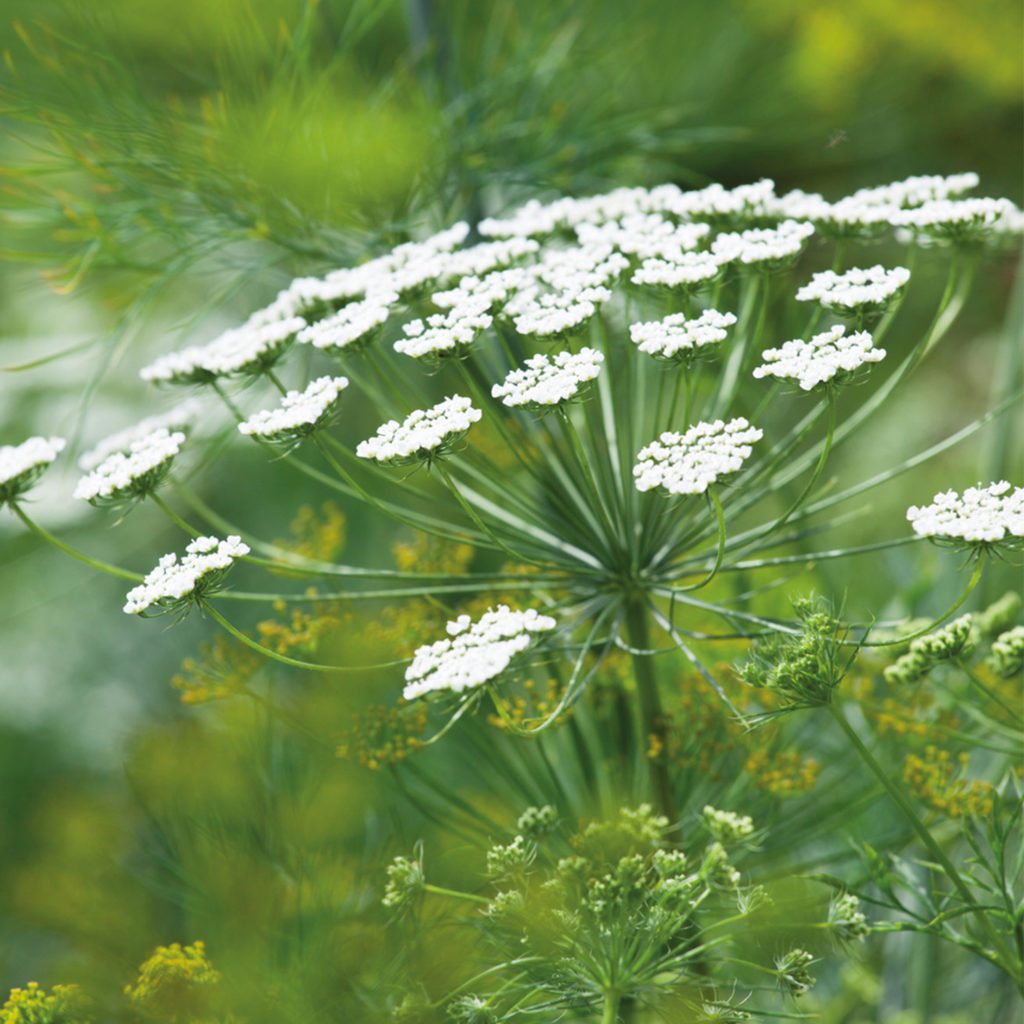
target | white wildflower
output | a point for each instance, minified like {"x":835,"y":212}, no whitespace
{"x":689,"y":463}
{"x":422,"y":435}
{"x":855,"y":290}
{"x":132,"y":474}
{"x":249,"y":349}
{"x":982,"y":515}
{"x":444,"y":333}
{"x":954,"y":219}
{"x":559,"y":314}
{"x":181,"y":417}
{"x":821,"y":360}
{"x":172,"y":583}
{"x":352,"y":326}
{"x":645,"y":236}
{"x":763,"y":246}
{"x":474,"y":652}
{"x":677,"y":337}
{"x":549,"y":380}
{"x":21,"y":465}
{"x":683,"y":271}
{"x":299,"y":414}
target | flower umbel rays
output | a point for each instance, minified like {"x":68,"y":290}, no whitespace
{"x":474,"y":653}
{"x":691,"y":462}
{"x":174,"y":584}
{"x":827,"y":358}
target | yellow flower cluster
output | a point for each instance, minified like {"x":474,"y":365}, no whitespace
{"x":782,"y":773}
{"x":298,"y":629}
{"x":173,"y":979}
{"x":528,"y":704}
{"x":318,"y":536}
{"x":223,"y":669}
{"x":385,"y":734}
{"x":938,"y":779}
{"x":63,"y":1004}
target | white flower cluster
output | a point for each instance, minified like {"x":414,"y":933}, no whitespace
{"x":299,"y":414}
{"x":22,"y":464}
{"x":474,"y":652}
{"x":855,"y":289}
{"x":352,"y":326}
{"x":682,"y":271}
{"x":247,"y":349}
{"x":727,"y":826}
{"x":954,"y":218}
{"x":444,"y":332}
{"x":181,"y":417}
{"x":982,"y":515}
{"x":820,"y":360}
{"x":133,"y":473}
{"x":763,"y":246}
{"x":557,"y":314}
{"x":421,"y":434}
{"x":172,"y":582}
{"x":691,"y":462}
{"x":549,"y":380}
{"x":675,"y":336}
{"x":645,"y":235}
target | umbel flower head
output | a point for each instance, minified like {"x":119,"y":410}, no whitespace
{"x":981,"y":515}
{"x":423,"y":435}
{"x":22,"y":465}
{"x":691,"y":462}
{"x":1006,"y":659}
{"x":828,"y":358}
{"x":180,"y":419}
{"x":174,"y":584}
{"x":177,"y":981}
{"x":855,"y":293}
{"x":300,"y":413}
{"x":128,"y":476}
{"x":353,"y":327}
{"x":952,"y":641}
{"x":545,"y":381}
{"x":473,"y":653}
{"x":676,"y":337}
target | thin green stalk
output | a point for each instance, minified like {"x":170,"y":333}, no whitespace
{"x":81,"y":556}
{"x":652,"y":715}
{"x":266,"y":651}
{"x":901,"y":801}
{"x":610,"y":1007}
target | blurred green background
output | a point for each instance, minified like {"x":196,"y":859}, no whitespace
{"x":167,"y":165}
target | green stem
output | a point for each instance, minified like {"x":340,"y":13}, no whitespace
{"x":173,"y":516}
{"x":652,"y":715}
{"x":265,"y":651}
{"x":921,"y":829}
{"x":438,"y":890}
{"x":610,"y":1011}
{"x":94,"y":563}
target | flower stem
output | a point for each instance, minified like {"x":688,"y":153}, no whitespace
{"x":652,"y":715}
{"x":94,"y":563}
{"x":921,"y":829}
{"x":265,"y":651}
{"x":610,"y":1011}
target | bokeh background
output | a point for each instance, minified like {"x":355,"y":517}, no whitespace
{"x":167,"y":165}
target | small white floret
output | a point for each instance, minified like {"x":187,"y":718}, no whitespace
{"x":981,"y":515}
{"x":474,"y":653}
{"x":548,"y":380}
{"x":299,"y":414}
{"x":132,"y":474}
{"x":423,"y":434}
{"x":689,"y":463}
{"x":677,"y":337}
{"x":826,"y":357}
{"x":21,"y":465}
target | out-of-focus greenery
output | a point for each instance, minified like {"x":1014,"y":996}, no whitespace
{"x":167,"y":165}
